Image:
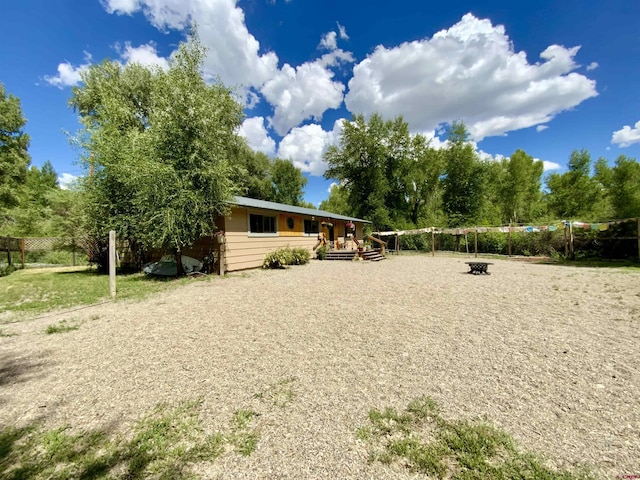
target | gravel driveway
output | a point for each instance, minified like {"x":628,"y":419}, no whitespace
{"x":549,"y":354}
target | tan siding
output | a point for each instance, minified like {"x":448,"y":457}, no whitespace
{"x":283,"y":227}
{"x":244,"y":251}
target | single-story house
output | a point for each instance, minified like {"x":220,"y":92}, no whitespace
{"x":254,"y":228}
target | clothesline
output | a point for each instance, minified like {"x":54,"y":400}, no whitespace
{"x":597,"y":226}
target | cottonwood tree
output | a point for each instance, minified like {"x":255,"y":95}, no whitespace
{"x":14,"y":156}
{"x":463,"y":182}
{"x":575,"y":193}
{"x":520,"y":194}
{"x":359,"y":163}
{"x":159,"y":143}
{"x":625,"y":187}
{"x":288,"y":182}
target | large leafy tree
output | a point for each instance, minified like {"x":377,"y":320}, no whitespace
{"x":463,"y":183}
{"x":359,"y":164}
{"x":388,"y":175}
{"x":338,"y":201}
{"x":288,"y":182}
{"x":575,"y":193}
{"x":520,"y":194}
{"x":159,"y":143}
{"x":625,"y":187}
{"x":14,"y":157}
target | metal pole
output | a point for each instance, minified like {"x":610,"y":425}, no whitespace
{"x":112,"y":263}
{"x":476,"y":243}
{"x":433,"y":242}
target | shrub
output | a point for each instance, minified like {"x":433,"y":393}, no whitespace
{"x":7,"y":270}
{"x":299,"y":256}
{"x":286,"y":256}
{"x":321,"y":252}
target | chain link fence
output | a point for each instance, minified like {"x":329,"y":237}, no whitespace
{"x":41,"y":252}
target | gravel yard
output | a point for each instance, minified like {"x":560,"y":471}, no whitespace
{"x":549,"y":354}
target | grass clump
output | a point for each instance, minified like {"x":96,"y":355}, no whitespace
{"x":62,"y":327}
{"x":166,"y":443}
{"x":421,"y":440}
{"x":242,"y":437}
{"x":284,"y":256}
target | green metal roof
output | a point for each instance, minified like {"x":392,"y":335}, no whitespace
{"x":281,"y":207}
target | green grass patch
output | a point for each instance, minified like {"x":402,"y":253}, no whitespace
{"x":422,"y":441}
{"x":37,"y":291}
{"x":5,"y":334}
{"x":62,"y":326}
{"x":166,"y":443}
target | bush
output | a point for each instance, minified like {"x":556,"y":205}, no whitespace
{"x":286,"y":256}
{"x":321,"y":252}
{"x":299,"y":256}
{"x":7,"y":270}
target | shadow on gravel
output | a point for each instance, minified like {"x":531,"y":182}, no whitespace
{"x":21,"y":369}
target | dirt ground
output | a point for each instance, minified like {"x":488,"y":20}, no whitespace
{"x":548,"y":353}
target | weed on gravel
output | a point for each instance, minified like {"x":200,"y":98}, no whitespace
{"x":166,"y":443}
{"x":62,"y":326}
{"x":422,"y":441}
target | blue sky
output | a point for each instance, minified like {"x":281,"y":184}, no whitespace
{"x":545,"y":76}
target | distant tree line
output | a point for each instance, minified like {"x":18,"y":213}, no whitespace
{"x":399,"y":181}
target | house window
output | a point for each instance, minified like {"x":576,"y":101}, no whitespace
{"x":311,"y":227}
{"x":262,"y":224}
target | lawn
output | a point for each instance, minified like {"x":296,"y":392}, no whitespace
{"x":34,"y":291}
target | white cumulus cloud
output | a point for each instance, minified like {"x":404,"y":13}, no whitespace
{"x":69,"y":75}
{"x":65,"y":180}
{"x":306,"y":145}
{"x":627,"y":135}
{"x":329,"y":41}
{"x":342,"y":31}
{"x":304,"y":92}
{"x":547,"y":165}
{"x":296,"y":92}
{"x":469,"y":72}
{"x":146,"y":55}
{"x":254,"y":131}
{"x":540,"y":128}
{"x":592,"y":66}
{"x":121,"y":7}
{"x":233,"y":53}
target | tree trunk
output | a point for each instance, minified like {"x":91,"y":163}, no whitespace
{"x":178,"y":257}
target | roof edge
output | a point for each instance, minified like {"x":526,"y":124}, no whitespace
{"x":281,"y":207}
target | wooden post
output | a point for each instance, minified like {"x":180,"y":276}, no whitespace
{"x":112,"y":263}
{"x":9,"y":250}
{"x":398,"y":243}
{"x":223,"y":248}
{"x":566,"y":244}
{"x":22,"y":248}
{"x":638,"y":238}
{"x":509,"y":239}
{"x":476,"y":243}
{"x":433,"y":242}
{"x":571,"y":250}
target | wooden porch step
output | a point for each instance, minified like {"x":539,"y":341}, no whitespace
{"x":341,"y":254}
{"x":372,"y":255}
